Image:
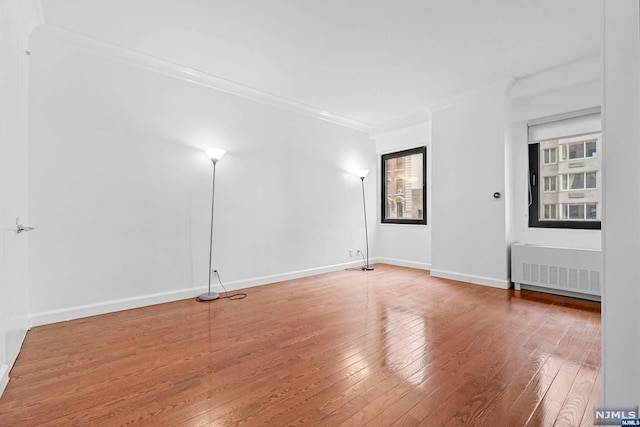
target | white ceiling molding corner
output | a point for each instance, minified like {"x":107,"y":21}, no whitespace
{"x":29,"y":15}
{"x":171,"y":69}
{"x":575,"y":73}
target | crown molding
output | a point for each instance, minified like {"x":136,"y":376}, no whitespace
{"x":502,"y":85}
{"x":177,"y":71}
{"x":580,"y":72}
{"x":27,"y":15}
{"x":417,"y":117}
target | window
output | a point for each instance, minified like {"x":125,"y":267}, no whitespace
{"x":565,"y":171}
{"x":579,"y":211}
{"x":579,"y":181}
{"x":581,"y":150}
{"x":550,"y":156}
{"x":550,"y":184}
{"x":404,"y":186}
{"x":572,"y":211}
{"x":550,"y":212}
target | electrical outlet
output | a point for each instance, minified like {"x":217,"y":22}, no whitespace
{"x":351,"y":253}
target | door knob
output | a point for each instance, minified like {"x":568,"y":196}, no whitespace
{"x":22,"y":228}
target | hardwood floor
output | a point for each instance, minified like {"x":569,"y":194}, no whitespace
{"x":390,"y":347}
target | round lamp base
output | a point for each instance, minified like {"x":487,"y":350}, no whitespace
{"x":209,"y":296}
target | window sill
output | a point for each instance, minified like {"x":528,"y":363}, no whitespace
{"x":391,"y":224}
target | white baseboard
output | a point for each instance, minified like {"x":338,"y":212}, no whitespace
{"x":77,"y":312}
{"x":80,"y":311}
{"x":265,"y":280}
{"x":404,"y":263}
{"x":4,"y":377}
{"x":469,"y":278}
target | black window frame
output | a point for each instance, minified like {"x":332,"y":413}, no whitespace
{"x":383,"y":184}
{"x":537,"y":182}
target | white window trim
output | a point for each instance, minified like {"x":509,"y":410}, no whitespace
{"x":573,"y":123}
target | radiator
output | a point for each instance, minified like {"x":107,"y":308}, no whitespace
{"x":566,"y":271}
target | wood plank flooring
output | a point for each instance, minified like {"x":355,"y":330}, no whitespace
{"x":390,"y":347}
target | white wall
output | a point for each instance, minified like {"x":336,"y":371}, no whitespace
{"x":572,"y":87}
{"x":15,"y":26}
{"x":120,"y":189}
{"x":407,"y":245}
{"x":8,"y":109}
{"x":621,"y":240}
{"x":469,"y":230}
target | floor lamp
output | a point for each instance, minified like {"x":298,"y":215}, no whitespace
{"x":214,"y":154}
{"x":362,"y":175}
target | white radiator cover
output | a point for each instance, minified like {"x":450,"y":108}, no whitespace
{"x":564,"y":270}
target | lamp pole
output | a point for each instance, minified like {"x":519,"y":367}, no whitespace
{"x":366,"y":267}
{"x":214,"y":155}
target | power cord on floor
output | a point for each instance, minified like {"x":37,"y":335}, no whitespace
{"x":239,"y":295}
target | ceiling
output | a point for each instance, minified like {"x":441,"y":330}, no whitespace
{"x":368,"y":60}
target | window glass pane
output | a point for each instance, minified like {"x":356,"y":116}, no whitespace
{"x":550,"y":156}
{"x":567,"y":190}
{"x":404,"y":186}
{"x":576,"y":181}
{"x":576,"y":151}
{"x":550,"y":212}
{"x":550,"y":184}
{"x":576,"y":211}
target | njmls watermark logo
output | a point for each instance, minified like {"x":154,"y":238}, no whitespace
{"x":616,"y":416}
